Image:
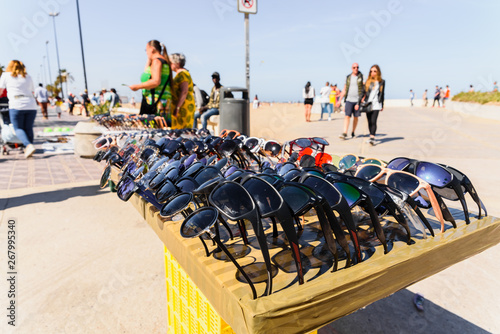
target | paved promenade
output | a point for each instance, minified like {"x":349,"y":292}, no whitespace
{"x":88,"y":263}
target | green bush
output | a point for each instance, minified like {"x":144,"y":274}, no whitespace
{"x":477,"y":97}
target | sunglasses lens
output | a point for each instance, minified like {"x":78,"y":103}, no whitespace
{"x":232,"y":199}
{"x":291,"y":174}
{"x":285,"y":168}
{"x":398,"y":164}
{"x":264,"y":195}
{"x":324,"y":188}
{"x":251,"y":143}
{"x":206,"y":174}
{"x":350,"y":193}
{"x":373,"y":162}
{"x":186,"y":185}
{"x":189,"y":160}
{"x":177,"y":204}
{"x":166,"y":191}
{"x":433,"y":174}
{"x":404,"y":182}
{"x":193,"y":169}
{"x":368,"y":172}
{"x":131,"y":167}
{"x":198,"y":222}
{"x":347,"y":162}
{"x":126,"y":188}
{"x":376,"y":195}
{"x":296,"y":198}
{"x":105,"y":176}
{"x":230,"y":170}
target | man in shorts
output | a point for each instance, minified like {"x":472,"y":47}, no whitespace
{"x":352,"y":93}
{"x":42,"y":97}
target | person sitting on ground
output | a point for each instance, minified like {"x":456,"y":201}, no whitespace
{"x":212,"y":107}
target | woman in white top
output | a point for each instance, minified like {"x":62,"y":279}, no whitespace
{"x":308,"y":95}
{"x":22,"y":104}
{"x":375,"y":91}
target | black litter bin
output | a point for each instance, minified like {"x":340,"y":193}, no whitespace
{"x":234,"y":110}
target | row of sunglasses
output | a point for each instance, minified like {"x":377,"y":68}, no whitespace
{"x":131,"y":122}
{"x":211,"y":180}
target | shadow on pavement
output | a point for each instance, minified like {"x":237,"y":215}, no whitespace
{"x":52,"y":196}
{"x":388,"y":139}
{"x":397,"y":314}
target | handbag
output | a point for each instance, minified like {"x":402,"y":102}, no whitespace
{"x":152,"y":109}
{"x":366,"y":106}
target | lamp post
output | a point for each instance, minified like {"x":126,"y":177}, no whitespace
{"x":57,"y":50}
{"x":81,"y":43}
{"x":48,"y":61}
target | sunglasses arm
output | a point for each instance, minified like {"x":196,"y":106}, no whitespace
{"x":262,"y":240}
{"x":420,"y":215}
{"x":233,"y":260}
{"x":376,"y":222}
{"x":436,"y":207}
{"x":396,"y":213}
{"x":446,"y":212}
{"x":345,"y":213}
{"x":328,"y":233}
{"x":286,"y":221}
{"x":337,"y":230}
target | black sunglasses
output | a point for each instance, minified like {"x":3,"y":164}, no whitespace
{"x":234,"y":202}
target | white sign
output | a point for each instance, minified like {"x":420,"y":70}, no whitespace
{"x":247,"y":6}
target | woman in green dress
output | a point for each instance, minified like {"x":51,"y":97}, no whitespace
{"x":157,"y":77}
{"x":183,"y":106}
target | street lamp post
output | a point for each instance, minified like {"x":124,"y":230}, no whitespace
{"x":57,"y":51}
{"x":81,"y":43}
{"x":48,"y":61}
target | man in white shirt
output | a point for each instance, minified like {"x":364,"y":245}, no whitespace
{"x":324,"y":94}
{"x":42,"y":97}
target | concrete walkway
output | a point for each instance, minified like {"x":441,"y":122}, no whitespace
{"x":88,"y":263}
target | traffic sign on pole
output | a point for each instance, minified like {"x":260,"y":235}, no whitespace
{"x":247,"y":6}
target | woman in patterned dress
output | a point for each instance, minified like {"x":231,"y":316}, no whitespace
{"x":183,"y":106}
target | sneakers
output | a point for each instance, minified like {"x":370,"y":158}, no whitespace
{"x":343,"y":136}
{"x":372,"y":141}
{"x":28,"y":152}
{"x":353,"y":135}
{"x":329,"y":119}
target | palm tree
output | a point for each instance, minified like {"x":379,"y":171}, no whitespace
{"x":64,"y":77}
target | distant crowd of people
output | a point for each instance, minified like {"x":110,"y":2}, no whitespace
{"x":441,"y":96}
{"x":358,"y":96}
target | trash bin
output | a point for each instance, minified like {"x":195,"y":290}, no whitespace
{"x":233,"y":110}
{"x":85,"y":133}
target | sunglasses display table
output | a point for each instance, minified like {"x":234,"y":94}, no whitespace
{"x":323,"y":298}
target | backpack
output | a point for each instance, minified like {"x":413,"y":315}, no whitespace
{"x":204,"y":98}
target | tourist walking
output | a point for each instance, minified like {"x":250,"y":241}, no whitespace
{"x":324,"y":94}
{"x":446,"y":95}
{"x":308,"y":95}
{"x":437,"y":93}
{"x":352,"y":93}
{"x":425,"y":100}
{"x":156,"y":81}
{"x":22,"y":104}
{"x":333,"y":99}
{"x":183,"y":102}
{"x":42,"y":97}
{"x":412,"y":96}
{"x":375,"y":92}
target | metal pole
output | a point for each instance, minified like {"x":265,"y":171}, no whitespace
{"x":43,"y":72}
{"x":81,"y":43}
{"x":247,"y":54}
{"x":57,"y":51}
{"x":48,"y":61}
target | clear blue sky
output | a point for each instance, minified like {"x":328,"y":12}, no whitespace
{"x":417,"y":44}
